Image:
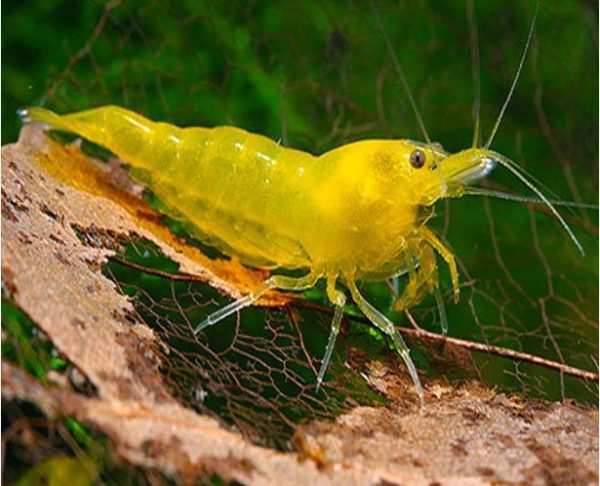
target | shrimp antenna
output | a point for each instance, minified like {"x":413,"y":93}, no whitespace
{"x":516,"y":78}
{"x":482,"y":191}
{"x":400,"y":72}
{"x":514,"y":168}
{"x":474,"y":35}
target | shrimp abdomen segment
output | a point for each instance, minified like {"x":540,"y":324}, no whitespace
{"x":139,"y":141}
{"x":240,"y":191}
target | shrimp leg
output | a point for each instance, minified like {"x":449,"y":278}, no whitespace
{"x":388,"y":328}
{"x":422,"y":278}
{"x":338,"y":299}
{"x":422,"y":281}
{"x":447,"y":255}
{"x":274,"y":282}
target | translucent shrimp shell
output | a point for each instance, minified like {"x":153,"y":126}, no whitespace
{"x":348,"y":211}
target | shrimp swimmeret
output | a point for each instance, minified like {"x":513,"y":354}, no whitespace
{"x":357,"y":212}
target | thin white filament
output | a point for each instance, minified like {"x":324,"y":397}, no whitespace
{"x":480,"y":191}
{"x":400,"y":72}
{"x":511,"y":166}
{"x":475,"y":71}
{"x":516,"y":78}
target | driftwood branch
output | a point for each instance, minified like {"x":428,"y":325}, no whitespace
{"x":424,"y":335}
{"x":415,"y":333}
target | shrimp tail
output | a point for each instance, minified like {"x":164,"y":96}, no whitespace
{"x":90,"y":129}
{"x":46,"y":117}
{"x":127,"y":134}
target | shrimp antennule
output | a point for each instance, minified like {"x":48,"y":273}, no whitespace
{"x":516,"y":78}
{"x":474,"y":34}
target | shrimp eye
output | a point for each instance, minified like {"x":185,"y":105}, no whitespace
{"x":417,"y":159}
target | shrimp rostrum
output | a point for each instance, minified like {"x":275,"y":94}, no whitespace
{"x":356,"y":213}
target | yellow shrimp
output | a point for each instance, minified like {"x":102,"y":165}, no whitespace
{"x":357,"y":212}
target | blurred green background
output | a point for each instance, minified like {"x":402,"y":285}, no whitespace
{"x":318,"y":74}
